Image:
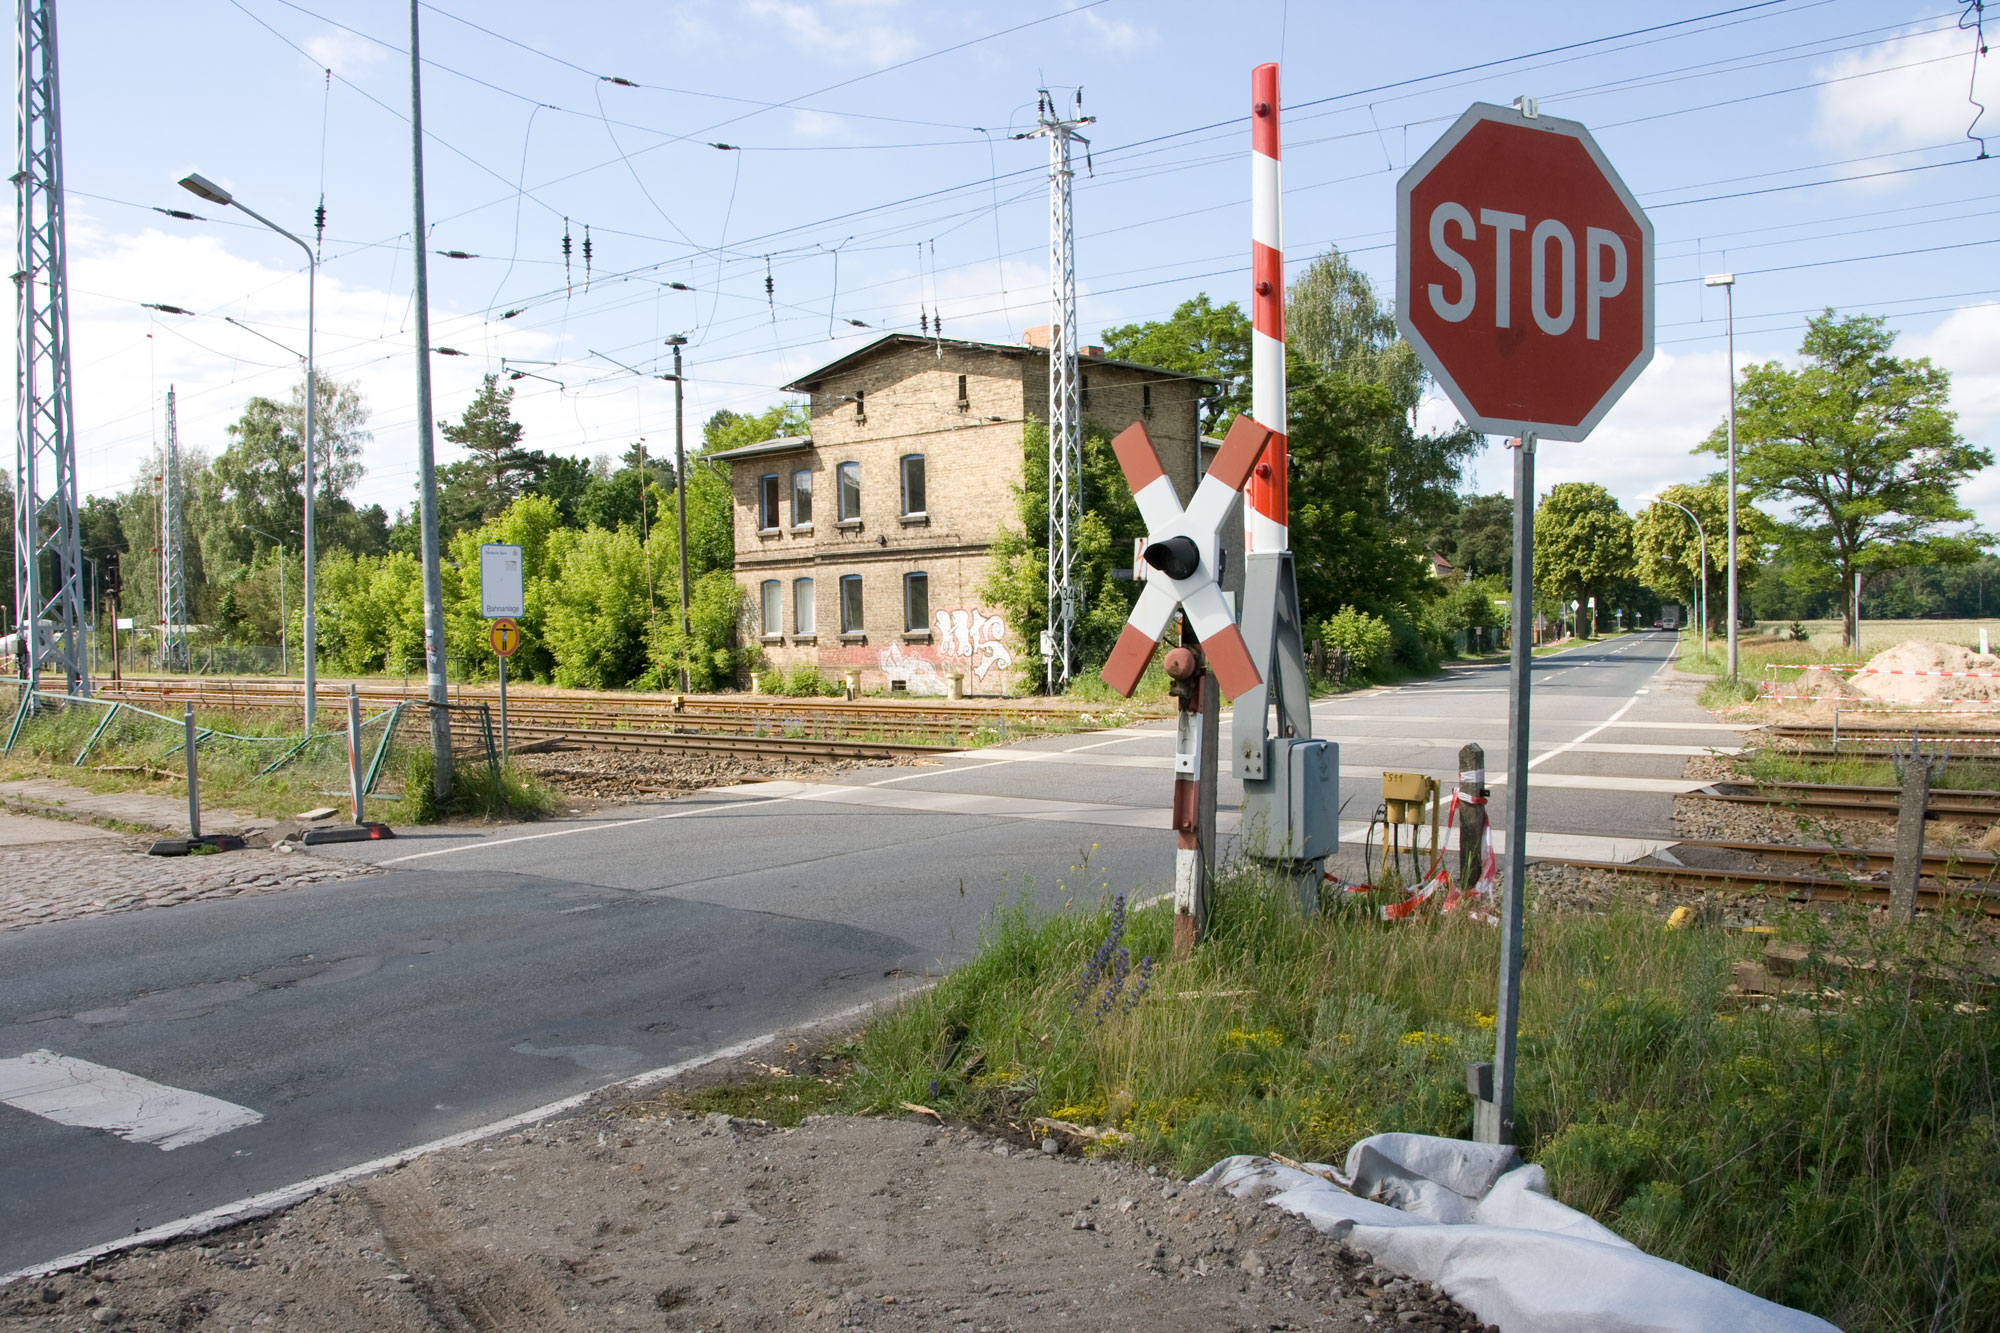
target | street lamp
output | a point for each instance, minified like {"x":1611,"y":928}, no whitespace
{"x":215,"y":194}
{"x":284,"y":615}
{"x":1727,"y":281}
{"x":1701,"y":608}
{"x":678,"y":341}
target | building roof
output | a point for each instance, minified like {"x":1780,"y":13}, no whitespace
{"x":805,"y":383}
{"x":777,"y":444}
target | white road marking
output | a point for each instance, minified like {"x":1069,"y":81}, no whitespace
{"x":971,"y":803}
{"x":681,"y":813}
{"x":1568,"y":846}
{"x":1540,"y":722}
{"x":92,"y":1096}
{"x":271,"y":1201}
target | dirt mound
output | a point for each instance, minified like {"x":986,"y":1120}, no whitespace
{"x":1925,"y":655}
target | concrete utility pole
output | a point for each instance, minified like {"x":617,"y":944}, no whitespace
{"x":174,"y":655}
{"x":426,"y":452}
{"x":1065,"y":411}
{"x":1727,"y":281}
{"x":49,"y":615}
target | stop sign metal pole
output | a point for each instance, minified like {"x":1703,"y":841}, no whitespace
{"x":1543,"y":358}
{"x":1494,"y":1118}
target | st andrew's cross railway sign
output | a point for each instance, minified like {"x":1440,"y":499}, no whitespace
{"x":1524,"y":273}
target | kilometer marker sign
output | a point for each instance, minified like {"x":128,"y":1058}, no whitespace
{"x":1524,"y":273}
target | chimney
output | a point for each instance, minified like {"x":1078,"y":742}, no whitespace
{"x":1039,"y":336}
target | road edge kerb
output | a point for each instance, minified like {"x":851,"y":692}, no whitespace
{"x":285,"y":1196}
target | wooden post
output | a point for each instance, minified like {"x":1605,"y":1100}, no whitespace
{"x":1196,"y":739}
{"x":1471,"y":813}
{"x":1915,"y":773}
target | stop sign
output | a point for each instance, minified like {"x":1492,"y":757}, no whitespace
{"x":1524,"y":273}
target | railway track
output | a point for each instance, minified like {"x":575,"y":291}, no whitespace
{"x":1803,"y":888}
{"x":708,"y":712}
{"x":1951,"y":807}
{"x":1981,"y":866}
{"x":539,"y":736}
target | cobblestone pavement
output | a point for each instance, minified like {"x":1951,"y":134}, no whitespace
{"x":68,"y":878}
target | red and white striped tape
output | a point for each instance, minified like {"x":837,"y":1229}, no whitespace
{"x":1267,"y":516}
{"x":1839,"y":698}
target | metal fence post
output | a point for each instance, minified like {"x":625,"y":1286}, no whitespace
{"x":354,"y":749}
{"x":194,"y":782}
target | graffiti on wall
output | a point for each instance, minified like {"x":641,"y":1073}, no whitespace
{"x":970,"y":635}
{"x":966,"y":639}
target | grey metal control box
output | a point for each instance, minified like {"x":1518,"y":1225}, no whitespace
{"x":1293,"y":813}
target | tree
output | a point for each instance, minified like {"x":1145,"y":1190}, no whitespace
{"x":1335,"y":322}
{"x":261,"y":474}
{"x":1583,"y":545}
{"x":1347,"y":551}
{"x":1861,"y":449}
{"x":475,"y":489}
{"x":1201,"y":338}
{"x":101,"y":536}
{"x":1479,"y":537}
{"x":733,"y":430}
{"x":1666,"y":547}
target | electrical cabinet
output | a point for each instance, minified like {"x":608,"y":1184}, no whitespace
{"x":1293,"y":813}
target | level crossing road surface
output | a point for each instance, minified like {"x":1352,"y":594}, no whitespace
{"x":247,"y":1044}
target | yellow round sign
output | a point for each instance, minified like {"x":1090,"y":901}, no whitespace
{"x":505,"y":636}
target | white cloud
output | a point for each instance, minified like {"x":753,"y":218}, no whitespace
{"x":1967,"y":344}
{"x":873,"y":43}
{"x":343,"y":52}
{"x":1912,"y":94}
{"x":819,"y":127}
{"x":1118,"y":34}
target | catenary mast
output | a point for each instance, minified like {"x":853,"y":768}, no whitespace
{"x":48,"y":563}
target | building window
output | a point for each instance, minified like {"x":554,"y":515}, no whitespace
{"x":849,"y":478}
{"x":773,"y":601}
{"x":964,"y":400}
{"x":861,"y":404}
{"x":1146,"y":399}
{"x":850,"y":604}
{"x":767,"y":502}
{"x":802,"y":498}
{"x":1083,"y":391}
{"x":916,"y":603}
{"x":913,"y":484}
{"x":802,"y":607}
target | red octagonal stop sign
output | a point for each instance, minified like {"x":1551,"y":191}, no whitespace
{"x":1524,"y":273}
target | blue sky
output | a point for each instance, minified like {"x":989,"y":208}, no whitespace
{"x":872,"y":149}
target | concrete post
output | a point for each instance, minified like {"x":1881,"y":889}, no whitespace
{"x":194,"y":783}
{"x":1909,"y":864}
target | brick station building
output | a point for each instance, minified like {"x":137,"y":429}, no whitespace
{"x":863,"y":545}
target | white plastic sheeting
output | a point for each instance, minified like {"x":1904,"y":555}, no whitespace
{"x":1478,"y":1222}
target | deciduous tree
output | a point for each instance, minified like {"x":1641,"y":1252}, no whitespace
{"x":1861,"y":451}
{"x":1583,"y":546}
{"x":1200,"y":338}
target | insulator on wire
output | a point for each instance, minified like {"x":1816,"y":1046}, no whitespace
{"x":770,"y":290}
{"x":924,"y":320}
{"x":319,"y":219}
{"x":586,"y":256}
{"x":566,"y":281}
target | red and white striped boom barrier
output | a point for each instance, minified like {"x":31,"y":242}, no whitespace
{"x":1267,"y":511}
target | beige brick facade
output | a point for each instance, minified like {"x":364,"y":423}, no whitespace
{"x":961,"y":407}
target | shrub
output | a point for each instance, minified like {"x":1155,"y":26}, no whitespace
{"x":1365,"y":639}
{"x":805,"y":681}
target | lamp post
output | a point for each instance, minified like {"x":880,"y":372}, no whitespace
{"x":215,"y":194}
{"x":284,"y":615}
{"x":677,"y":342}
{"x":1701,"y":599}
{"x":1727,"y":281}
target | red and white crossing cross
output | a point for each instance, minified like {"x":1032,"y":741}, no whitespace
{"x":1183,"y":548}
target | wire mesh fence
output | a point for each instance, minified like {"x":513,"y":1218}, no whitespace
{"x":257,"y":758}
{"x":406,"y":737}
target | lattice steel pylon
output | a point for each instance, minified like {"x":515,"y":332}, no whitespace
{"x":48,"y":559}
{"x":173,"y":552}
{"x":1065,"y":410}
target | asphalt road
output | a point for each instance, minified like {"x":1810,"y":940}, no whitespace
{"x":489,"y":972}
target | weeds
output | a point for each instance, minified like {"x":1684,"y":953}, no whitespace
{"x":1837,"y":1153}
{"x":478,"y":791}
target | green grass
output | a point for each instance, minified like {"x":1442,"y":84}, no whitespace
{"x":1769,"y":643}
{"x":1958,"y":774}
{"x":1838,"y":1154}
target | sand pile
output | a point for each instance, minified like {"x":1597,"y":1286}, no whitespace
{"x":1925,"y":655}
